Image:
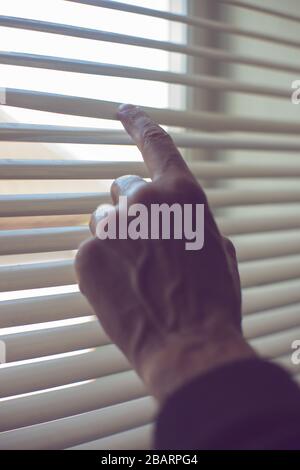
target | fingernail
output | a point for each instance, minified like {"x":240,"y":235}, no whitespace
{"x":126,"y":107}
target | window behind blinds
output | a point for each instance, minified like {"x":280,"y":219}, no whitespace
{"x":66,"y":66}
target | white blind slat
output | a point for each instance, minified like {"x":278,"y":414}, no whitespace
{"x":55,"y":340}
{"x":112,"y":70}
{"x":85,"y":169}
{"x":264,"y":323}
{"x":69,"y":238}
{"x":78,"y":429}
{"x":68,"y":134}
{"x":266,"y":297}
{"x":85,"y":203}
{"x":88,"y":107}
{"x":58,"y":273}
{"x":64,"y":306}
{"x":136,"y":439}
{"x":276,"y":344}
{"x":63,"y":402}
{"x":55,"y":372}
{"x":26,"y":311}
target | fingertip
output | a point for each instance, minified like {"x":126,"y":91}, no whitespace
{"x":125,"y":185}
{"x":125,"y":109}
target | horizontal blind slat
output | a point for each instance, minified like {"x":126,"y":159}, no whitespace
{"x":68,"y":238}
{"x":55,"y":340}
{"x":60,"y":403}
{"x":67,"y":134}
{"x":256,"y":299}
{"x":272,"y":246}
{"x":272,"y":321}
{"x":36,"y":275}
{"x":230,"y":225}
{"x":56,"y":273}
{"x":64,"y":306}
{"x":51,"y":204}
{"x":255,"y":273}
{"x":78,"y":429}
{"x":286,"y":362}
{"x":26,"y":311}
{"x":85,"y":203}
{"x":113,"y":70}
{"x":276,"y":344}
{"x":90,"y":169}
{"x":42,"y":240}
{"x":88,"y":107}
{"x":134,"y":439}
{"x":32,"y":376}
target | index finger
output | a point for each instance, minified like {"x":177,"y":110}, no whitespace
{"x":156,"y":146}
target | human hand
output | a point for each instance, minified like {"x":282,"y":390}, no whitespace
{"x":174,"y":313}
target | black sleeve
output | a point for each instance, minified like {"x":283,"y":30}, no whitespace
{"x":249,"y":404}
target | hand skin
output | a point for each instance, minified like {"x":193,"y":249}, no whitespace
{"x":174,"y":313}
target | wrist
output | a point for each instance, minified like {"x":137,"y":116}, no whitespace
{"x":187,"y":356}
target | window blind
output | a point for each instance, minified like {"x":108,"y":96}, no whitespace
{"x":64,"y":385}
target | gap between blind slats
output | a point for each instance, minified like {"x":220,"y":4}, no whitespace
{"x":64,"y":306}
{"x":134,"y":439}
{"x":106,"y":36}
{"x":85,"y":203}
{"x":204,"y":23}
{"x":91,"y":169}
{"x":262,"y":9}
{"x":78,"y":429}
{"x":12,"y":132}
{"x":112,"y":70}
{"x":88,"y":107}
{"x":55,"y":372}
{"x":67,"y":401}
{"x":53,"y":340}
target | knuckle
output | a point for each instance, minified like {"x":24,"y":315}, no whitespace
{"x":187,"y":190}
{"x":146,"y":195}
{"x":153,"y":134}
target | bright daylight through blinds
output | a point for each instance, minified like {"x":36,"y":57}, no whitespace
{"x":218,"y":75}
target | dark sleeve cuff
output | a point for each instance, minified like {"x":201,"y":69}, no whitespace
{"x":249,"y":404}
